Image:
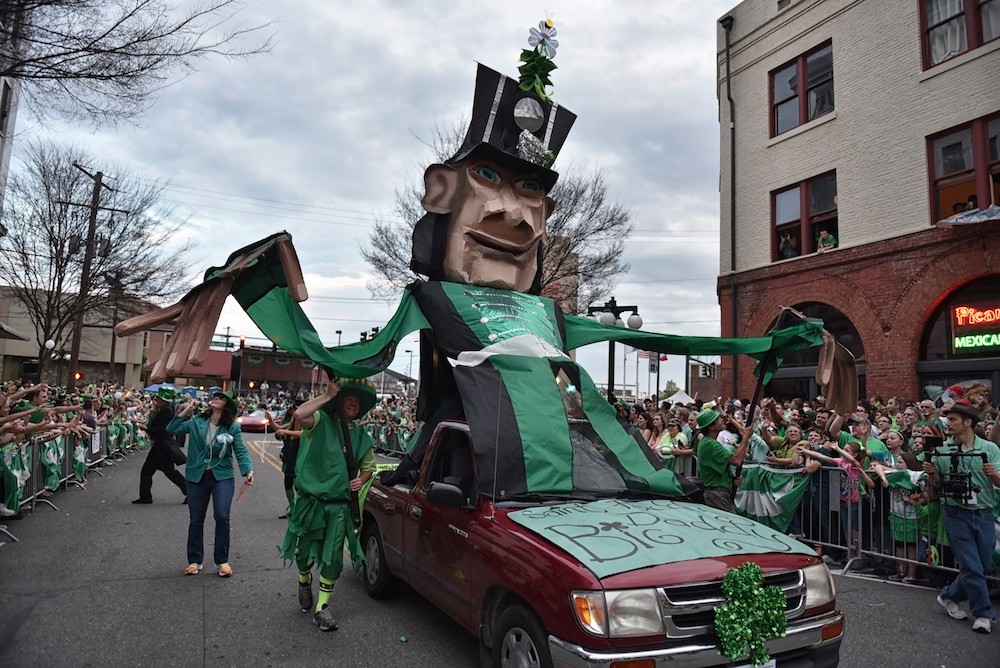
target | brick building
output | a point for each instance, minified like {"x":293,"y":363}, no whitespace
{"x":871,"y":121}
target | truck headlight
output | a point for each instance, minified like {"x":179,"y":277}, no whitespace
{"x":634,"y":612}
{"x":819,"y":586}
{"x":619,"y":614}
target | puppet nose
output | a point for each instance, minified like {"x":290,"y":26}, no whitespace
{"x":512,"y":214}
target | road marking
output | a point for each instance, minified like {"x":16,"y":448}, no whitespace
{"x":267,"y":457}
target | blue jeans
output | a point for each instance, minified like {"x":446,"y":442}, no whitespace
{"x":972,"y":536}
{"x":221,"y":493}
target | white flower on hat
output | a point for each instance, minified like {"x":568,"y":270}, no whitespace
{"x":543,"y":38}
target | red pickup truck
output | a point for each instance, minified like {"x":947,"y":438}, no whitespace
{"x":600,"y":577}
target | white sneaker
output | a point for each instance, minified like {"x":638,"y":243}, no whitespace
{"x":6,"y":512}
{"x":954,"y":611}
{"x":982,"y":625}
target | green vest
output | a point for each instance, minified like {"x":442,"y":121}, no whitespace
{"x":320,"y":468}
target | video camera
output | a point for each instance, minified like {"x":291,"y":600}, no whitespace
{"x":956,"y":484}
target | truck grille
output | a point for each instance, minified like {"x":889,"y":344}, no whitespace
{"x":689,"y":610}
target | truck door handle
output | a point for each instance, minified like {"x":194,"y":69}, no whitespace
{"x":416,"y":512}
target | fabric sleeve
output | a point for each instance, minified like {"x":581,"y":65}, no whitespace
{"x":178,"y":425}
{"x":240,"y":449}
{"x":367,"y":462}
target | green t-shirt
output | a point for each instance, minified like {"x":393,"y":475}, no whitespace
{"x":988,"y":495}
{"x":320,"y":468}
{"x":713,"y":463}
{"x":873,"y":448}
{"x":829,"y":242}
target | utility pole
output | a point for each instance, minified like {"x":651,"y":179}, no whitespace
{"x":117,"y":289}
{"x":88,"y":258}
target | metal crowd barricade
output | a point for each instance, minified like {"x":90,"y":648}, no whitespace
{"x":880,"y":545}
{"x":824,"y":519}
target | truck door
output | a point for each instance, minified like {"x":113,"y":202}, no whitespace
{"x":438,"y":539}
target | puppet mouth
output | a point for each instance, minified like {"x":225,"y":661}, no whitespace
{"x":500,"y":238}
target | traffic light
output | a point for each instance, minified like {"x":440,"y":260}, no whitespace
{"x":243,"y":341}
{"x":374,"y":332}
{"x":364,"y":336}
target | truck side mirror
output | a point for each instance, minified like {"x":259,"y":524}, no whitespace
{"x":443,"y":494}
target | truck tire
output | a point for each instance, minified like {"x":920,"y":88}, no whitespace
{"x":520,"y":640}
{"x":379,"y":582}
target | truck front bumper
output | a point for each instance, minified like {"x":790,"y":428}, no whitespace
{"x":803,"y":646}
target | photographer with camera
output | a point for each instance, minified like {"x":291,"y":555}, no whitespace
{"x":965,"y":472}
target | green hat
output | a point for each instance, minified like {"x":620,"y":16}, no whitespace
{"x":707,"y":417}
{"x":228,"y":396}
{"x":361,"y":388}
{"x":166,"y":392}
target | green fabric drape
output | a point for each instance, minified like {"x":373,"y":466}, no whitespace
{"x":584,"y":331}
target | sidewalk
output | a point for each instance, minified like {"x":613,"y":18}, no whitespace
{"x":100,"y":583}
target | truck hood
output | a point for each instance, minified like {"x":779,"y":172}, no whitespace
{"x":615,"y":536}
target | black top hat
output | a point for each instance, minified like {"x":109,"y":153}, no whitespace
{"x":965,"y":409}
{"x":515,"y":127}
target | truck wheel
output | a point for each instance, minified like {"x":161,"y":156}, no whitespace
{"x":379,"y":582}
{"x":520,"y":640}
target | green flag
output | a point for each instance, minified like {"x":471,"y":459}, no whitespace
{"x":770,"y":495}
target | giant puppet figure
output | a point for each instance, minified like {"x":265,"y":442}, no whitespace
{"x":493,"y":351}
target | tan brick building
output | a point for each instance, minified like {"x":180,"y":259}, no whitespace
{"x":870,"y":120}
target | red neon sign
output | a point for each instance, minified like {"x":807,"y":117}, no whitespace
{"x":970,"y":315}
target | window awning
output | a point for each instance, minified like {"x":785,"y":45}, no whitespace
{"x":989,"y":214}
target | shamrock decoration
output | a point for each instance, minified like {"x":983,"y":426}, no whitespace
{"x":536,"y":62}
{"x":753,"y":615}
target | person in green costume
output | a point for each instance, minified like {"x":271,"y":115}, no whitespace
{"x":715,"y":461}
{"x":321,"y":520}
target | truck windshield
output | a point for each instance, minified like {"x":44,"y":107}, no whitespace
{"x":593,"y":473}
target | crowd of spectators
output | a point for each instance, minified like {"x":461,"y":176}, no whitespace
{"x":890,"y":516}
{"x":40,"y":415}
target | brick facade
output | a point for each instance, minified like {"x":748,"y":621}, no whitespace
{"x":888,"y":290}
{"x":892,"y":268}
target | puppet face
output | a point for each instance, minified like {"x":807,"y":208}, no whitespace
{"x":496,"y":225}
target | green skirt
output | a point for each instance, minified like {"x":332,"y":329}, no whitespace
{"x":903,"y":530}
{"x":318,"y":530}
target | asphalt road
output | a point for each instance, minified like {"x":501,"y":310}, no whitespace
{"x":100,"y":583}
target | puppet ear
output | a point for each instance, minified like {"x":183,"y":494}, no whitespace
{"x":550,"y":206}
{"x":440,"y":183}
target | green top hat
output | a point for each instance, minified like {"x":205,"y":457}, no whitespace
{"x":228,"y":396}
{"x":166,"y":392}
{"x":707,"y":417}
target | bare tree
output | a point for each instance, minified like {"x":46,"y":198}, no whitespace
{"x":105,"y":60}
{"x":585,"y":235}
{"x":41,"y":252}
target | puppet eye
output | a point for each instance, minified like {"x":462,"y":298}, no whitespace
{"x":488,"y":173}
{"x":530,"y":185}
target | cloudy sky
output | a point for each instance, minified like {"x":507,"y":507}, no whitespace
{"x":315,"y":137}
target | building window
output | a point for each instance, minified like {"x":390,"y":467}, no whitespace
{"x":965,"y":167}
{"x":802,"y":90}
{"x":805,"y":217}
{"x":952,"y":27}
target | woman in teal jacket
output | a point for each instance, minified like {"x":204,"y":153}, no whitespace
{"x":214,"y":437}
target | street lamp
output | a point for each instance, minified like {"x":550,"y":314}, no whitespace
{"x":611,"y":314}
{"x":409,"y":369}
{"x":339,"y":333}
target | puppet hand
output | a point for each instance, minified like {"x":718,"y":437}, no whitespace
{"x":197,"y":313}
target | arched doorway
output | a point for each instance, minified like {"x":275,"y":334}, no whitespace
{"x":960,"y":346}
{"x":797,"y":375}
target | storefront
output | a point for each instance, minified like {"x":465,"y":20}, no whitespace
{"x":960,"y":347}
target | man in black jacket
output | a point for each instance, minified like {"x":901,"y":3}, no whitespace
{"x":161,"y":441}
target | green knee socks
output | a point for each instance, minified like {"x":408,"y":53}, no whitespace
{"x":325,"y":592}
